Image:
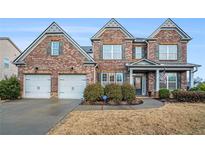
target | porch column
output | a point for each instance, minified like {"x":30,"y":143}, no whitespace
{"x":191,"y":79}
{"x":157,"y":80}
{"x":131,"y":77}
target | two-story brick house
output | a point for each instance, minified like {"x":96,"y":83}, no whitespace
{"x":55,"y":65}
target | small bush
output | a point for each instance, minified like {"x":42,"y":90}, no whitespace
{"x":201,"y":86}
{"x":164,"y":93}
{"x":194,"y":89}
{"x":93,"y":92}
{"x":128,"y":92}
{"x":189,"y":96}
{"x":114,"y":93}
{"x":9,"y":88}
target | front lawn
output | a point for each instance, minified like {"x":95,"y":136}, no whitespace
{"x":169,"y":119}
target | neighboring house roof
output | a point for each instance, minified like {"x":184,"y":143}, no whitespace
{"x":54,"y":28}
{"x":170,"y":25}
{"x":112,"y":23}
{"x":8,"y":39}
{"x":87,"y":49}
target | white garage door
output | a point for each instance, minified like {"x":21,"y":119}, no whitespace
{"x":71,"y":86}
{"x":37,"y":86}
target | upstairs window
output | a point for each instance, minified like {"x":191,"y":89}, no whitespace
{"x":55,"y":48}
{"x":112,"y":51}
{"x":138,"y":52}
{"x":167,"y":52}
{"x":6,"y":62}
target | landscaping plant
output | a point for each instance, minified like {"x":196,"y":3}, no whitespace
{"x":164,"y":93}
{"x":189,"y":96}
{"x":9,"y":88}
{"x":128,"y":92}
{"x":114,"y":93}
{"x":93,"y":92}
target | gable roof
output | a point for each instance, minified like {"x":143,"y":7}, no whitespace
{"x":7,"y":38}
{"x":143,"y":62}
{"x":54,"y":28}
{"x":112,"y":23}
{"x":170,"y":25}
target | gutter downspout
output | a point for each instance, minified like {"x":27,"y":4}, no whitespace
{"x":95,"y":73}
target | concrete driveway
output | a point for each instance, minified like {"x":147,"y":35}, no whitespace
{"x":33,"y":116}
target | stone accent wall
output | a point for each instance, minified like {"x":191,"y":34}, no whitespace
{"x":167,"y":37}
{"x":151,"y":82}
{"x":183,"y":80}
{"x":55,"y":65}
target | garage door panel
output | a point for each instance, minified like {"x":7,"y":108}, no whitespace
{"x":72,"y":86}
{"x":37,"y":86}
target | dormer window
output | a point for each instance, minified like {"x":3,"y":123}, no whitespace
{"x":167,"y":52}
{"x":55,"y":48}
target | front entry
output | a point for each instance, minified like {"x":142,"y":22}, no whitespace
{"x":140,"y":84}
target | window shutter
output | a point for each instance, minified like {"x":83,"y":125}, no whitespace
{"x":179,"y":53}
{"x":61,"y":48}
{"x":99,"y":77}
{"x":133,"y":53}
{"x":178,"y":80}
{"x":101,"y":52}
{"x":157,"y":51}
{"x":49,"y":48}
{"x":124,"y":77}
{"x":143,"y":52}
{"x":123,"y":51}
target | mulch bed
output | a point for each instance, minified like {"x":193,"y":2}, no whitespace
{"x":135,"y":102}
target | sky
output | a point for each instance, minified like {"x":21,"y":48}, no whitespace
{"x":23,"y":31}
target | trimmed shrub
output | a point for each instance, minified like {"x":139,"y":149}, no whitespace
{"x":9,"y":88}
{"x":189,"y":96}
{"x":164,"y":93}
{"x":114,"y":93}
{"x":93,"y":92}
{"x":128,"y":92}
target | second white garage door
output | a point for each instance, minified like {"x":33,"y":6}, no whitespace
{"x":71,"y":86}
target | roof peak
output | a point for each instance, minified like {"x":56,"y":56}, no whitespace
{"x":113,"y":23}
{"x":170,"y":24}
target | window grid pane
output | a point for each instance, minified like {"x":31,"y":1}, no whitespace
{"x":112,"y":52}
{"x":138,"y":52}
{"x":168,"y":52}
{"x":55,"y":47}
{"x":6,"y":62}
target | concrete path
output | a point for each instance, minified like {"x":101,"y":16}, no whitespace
{"x":148,"y":103}
{"x":33,"y":116}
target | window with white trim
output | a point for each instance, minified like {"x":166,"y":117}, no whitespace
{"x":168,"y":80}
{"x":6,"y":62}
{"x":167,"y":52}
{"x":55,"y":48}
{"x":108,"y":78}
{"x":112,"y":51}
{"x":138,"y":52}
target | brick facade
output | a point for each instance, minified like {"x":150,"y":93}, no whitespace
{"x":112,"y":37}
{"x":72,"y":58}
{"x":52,"y":65}
{"x":167,"y":37}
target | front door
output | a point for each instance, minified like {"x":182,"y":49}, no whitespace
{"x":138,"y":85}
